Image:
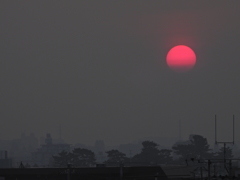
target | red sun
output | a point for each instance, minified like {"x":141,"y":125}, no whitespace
{"x":181,"y":58}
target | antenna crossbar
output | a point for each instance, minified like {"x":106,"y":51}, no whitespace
{"x":224,"y":143}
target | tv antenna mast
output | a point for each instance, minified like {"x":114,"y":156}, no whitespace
{"x":180,"y":130}
{"x":223,"y":142}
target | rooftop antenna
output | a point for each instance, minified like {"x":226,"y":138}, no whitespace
{"x":215,"y":129}
{"x":180,"y":131}
{"x":233,"y":129}
{"x":60,"y":131}
{"x":224,"y":143}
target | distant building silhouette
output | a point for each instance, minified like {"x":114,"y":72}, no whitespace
{"x":43,"y":155}
{"x":99,"y":149}
{"x":20,"y":149}
{"x":48,"y":140}
{"x":99,"y":145}
{"x":5,"y":162}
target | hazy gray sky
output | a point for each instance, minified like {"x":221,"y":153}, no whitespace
{"x":99,"y":68}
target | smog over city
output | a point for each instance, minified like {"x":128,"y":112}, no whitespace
{"x":117,"y":75}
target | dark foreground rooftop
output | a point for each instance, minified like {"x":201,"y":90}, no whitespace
{"x":95,"y":173}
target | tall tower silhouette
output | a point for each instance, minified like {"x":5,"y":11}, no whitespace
{"x":180,"y":130}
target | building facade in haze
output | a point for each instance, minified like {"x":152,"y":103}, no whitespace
{"x":43,"y":156}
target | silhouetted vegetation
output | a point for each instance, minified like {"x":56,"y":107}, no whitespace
{"x":79,"y":157}
{"x":62,"y":159}
{"x":150,"y":154}
{"x":83,"y":157}
{"x":116,"y":157}
{"x":165,"y":156}
{"x":196,"y":147}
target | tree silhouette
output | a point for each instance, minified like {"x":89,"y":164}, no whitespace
{"x":62,"y":159}
{"x":148,"y":155}
{"x":115,"y":157}
{"x":165,"y":156}
{"x":79,"y":157}
{"x":200,"y":146}
{"x":83,"y":157}
{"x":197,"y":147}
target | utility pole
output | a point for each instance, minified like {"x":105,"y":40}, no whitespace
{"x":121,"y":170}
{"x":214,"y":170}
{"x":230,"y":168}
{"x":69,"y":172}
{"x":209,"y":169}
